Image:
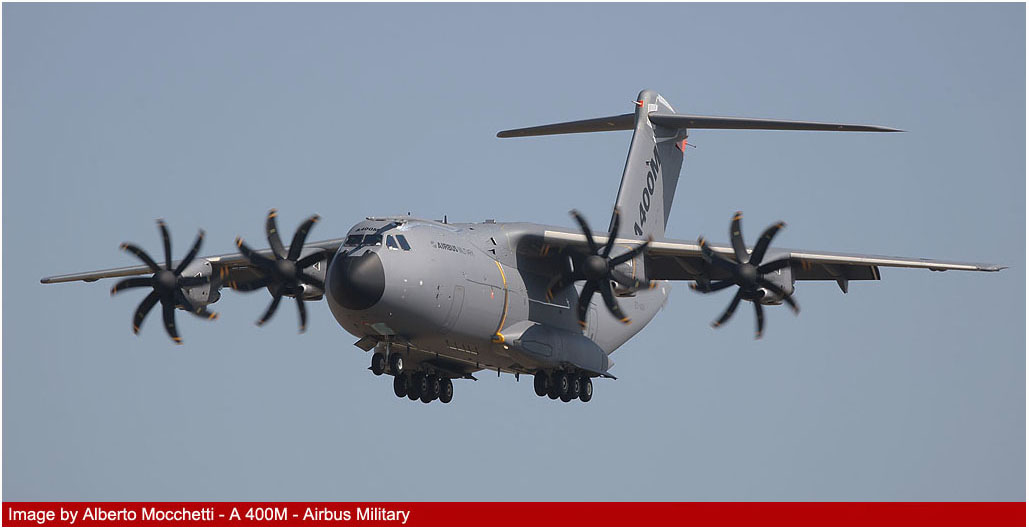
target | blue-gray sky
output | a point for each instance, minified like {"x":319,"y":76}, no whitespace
{"x":912,"y":388}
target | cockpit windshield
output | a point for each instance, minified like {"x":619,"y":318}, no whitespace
{"x":353,"y":240}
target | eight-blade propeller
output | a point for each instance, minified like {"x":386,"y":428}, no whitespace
{"x":285,"y":274}
{"x":747,"y":273}
{"x":598,"y":269}
{"x":167,"y":284}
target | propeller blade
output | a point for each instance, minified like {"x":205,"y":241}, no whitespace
{"x":300,"y":236}
{"x":585,"y":231}
{"x":779,"y":291}
{"x":251,"y":285}
{"x":168,"y":308}
{"x":192,"y":254}
{"x":773,"y":266}
{"x":271,"y":308}
{"x":313,"y":258}
{"x":166,"y":239}
{"x":273,"y":234}
{"x":729,"y":310}
{"x":131,"y":283}
{"x":716,"y":259}
{"x":256,"y":259}
{"x":762,"y":244}
{"x":736,"y":236}
{"x":760,"y":319}
{"x":143,"y":309}
{"x":615,"y":222}
{"x":584,"y":301}
{"x":612,"y":304}
{"x":632,"y":253}
{"x":142,"y":255}
{"x":303,"y":315}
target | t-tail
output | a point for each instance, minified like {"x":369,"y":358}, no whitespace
{"x":655,"y":155}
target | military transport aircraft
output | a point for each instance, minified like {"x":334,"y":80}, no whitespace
{"x":437,"y":301}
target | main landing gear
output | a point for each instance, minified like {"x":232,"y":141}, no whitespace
{"x":413,"y":385}
{"x":563,"y":385}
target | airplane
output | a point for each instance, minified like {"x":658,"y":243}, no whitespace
{"x":436,"y":301}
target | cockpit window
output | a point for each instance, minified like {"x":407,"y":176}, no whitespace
{"x":374,"y":240}
{"x":403,"y":242}
{"x":390,"y":242}
{"x":353,"y":240}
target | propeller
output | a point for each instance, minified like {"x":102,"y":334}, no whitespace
{"x":167,"y":284}
{"x":746,"y":271}
{"x":284,"y":275}
{"x":598,"y":269}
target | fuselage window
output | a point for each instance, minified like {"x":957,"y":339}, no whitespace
{"x":353,"y":240}
{"x":403,"y":242}
{"x":390,"y":242}
{"x":374,"y":240}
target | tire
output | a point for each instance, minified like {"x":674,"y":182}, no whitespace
{"x":575,"y":387}
{"x":561,"y":383}
{"x":430,"y":388}
{"x":552,"y":392}
{"x":400,"y":385}
{"x":396,"y":364}
{"x":446,"y":391}
{"x":436,"y":385}
{"x":586,"y":389}
{"x":378,"y":363}
{"x":414,"y":388}
{"x":539,"y":383}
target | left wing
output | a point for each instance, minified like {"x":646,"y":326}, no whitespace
{"x":669,"y":259}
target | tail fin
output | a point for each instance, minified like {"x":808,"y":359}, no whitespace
{"x":655,"y":155}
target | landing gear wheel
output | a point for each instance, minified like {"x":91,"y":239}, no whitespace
{"x":561,"y":383}
{"x":431,"y":389}
{"x":400,"y":385}
{"x":552,"y":392}
{"x":415,"y":386}
{"x":575,"y":387}
{"x":539,"y":383}
{"x":446,"y":391}
{"x":586,"y":389}
{"x":396,"y":364}
{"x":378,"y":363}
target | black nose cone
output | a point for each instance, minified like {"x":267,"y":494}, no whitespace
{"x":357,"y":282}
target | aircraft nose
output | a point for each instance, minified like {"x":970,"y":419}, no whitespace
{"x":357,"y":282}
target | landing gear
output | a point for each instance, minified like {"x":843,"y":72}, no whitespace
{"x":539,"y":383}
{"x":400,"y":385}
{"x":446,"y":391}
{"x":563,"y":385}
{"x":378,"y":363}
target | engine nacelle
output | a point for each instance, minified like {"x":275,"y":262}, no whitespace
{"x":204,"y":294}
{"x":782,"y":278}
{"x":316,"y":271}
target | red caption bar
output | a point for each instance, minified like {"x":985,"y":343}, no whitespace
{"x":515,"y":514}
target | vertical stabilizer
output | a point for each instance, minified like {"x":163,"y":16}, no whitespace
{"x":651,"y":171}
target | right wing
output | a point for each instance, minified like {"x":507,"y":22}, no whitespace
{"x":228,"y":268}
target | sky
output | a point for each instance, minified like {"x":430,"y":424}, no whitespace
{"x":907,"y":389}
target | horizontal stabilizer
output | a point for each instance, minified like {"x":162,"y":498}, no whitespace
{"x":684,"y":121}
{"x":624,"y":122}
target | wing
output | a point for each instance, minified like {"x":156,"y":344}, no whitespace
{"x":229,"y":268}
{"x":682,"y":260}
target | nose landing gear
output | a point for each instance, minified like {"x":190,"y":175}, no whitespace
{"x":414,"y":385}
